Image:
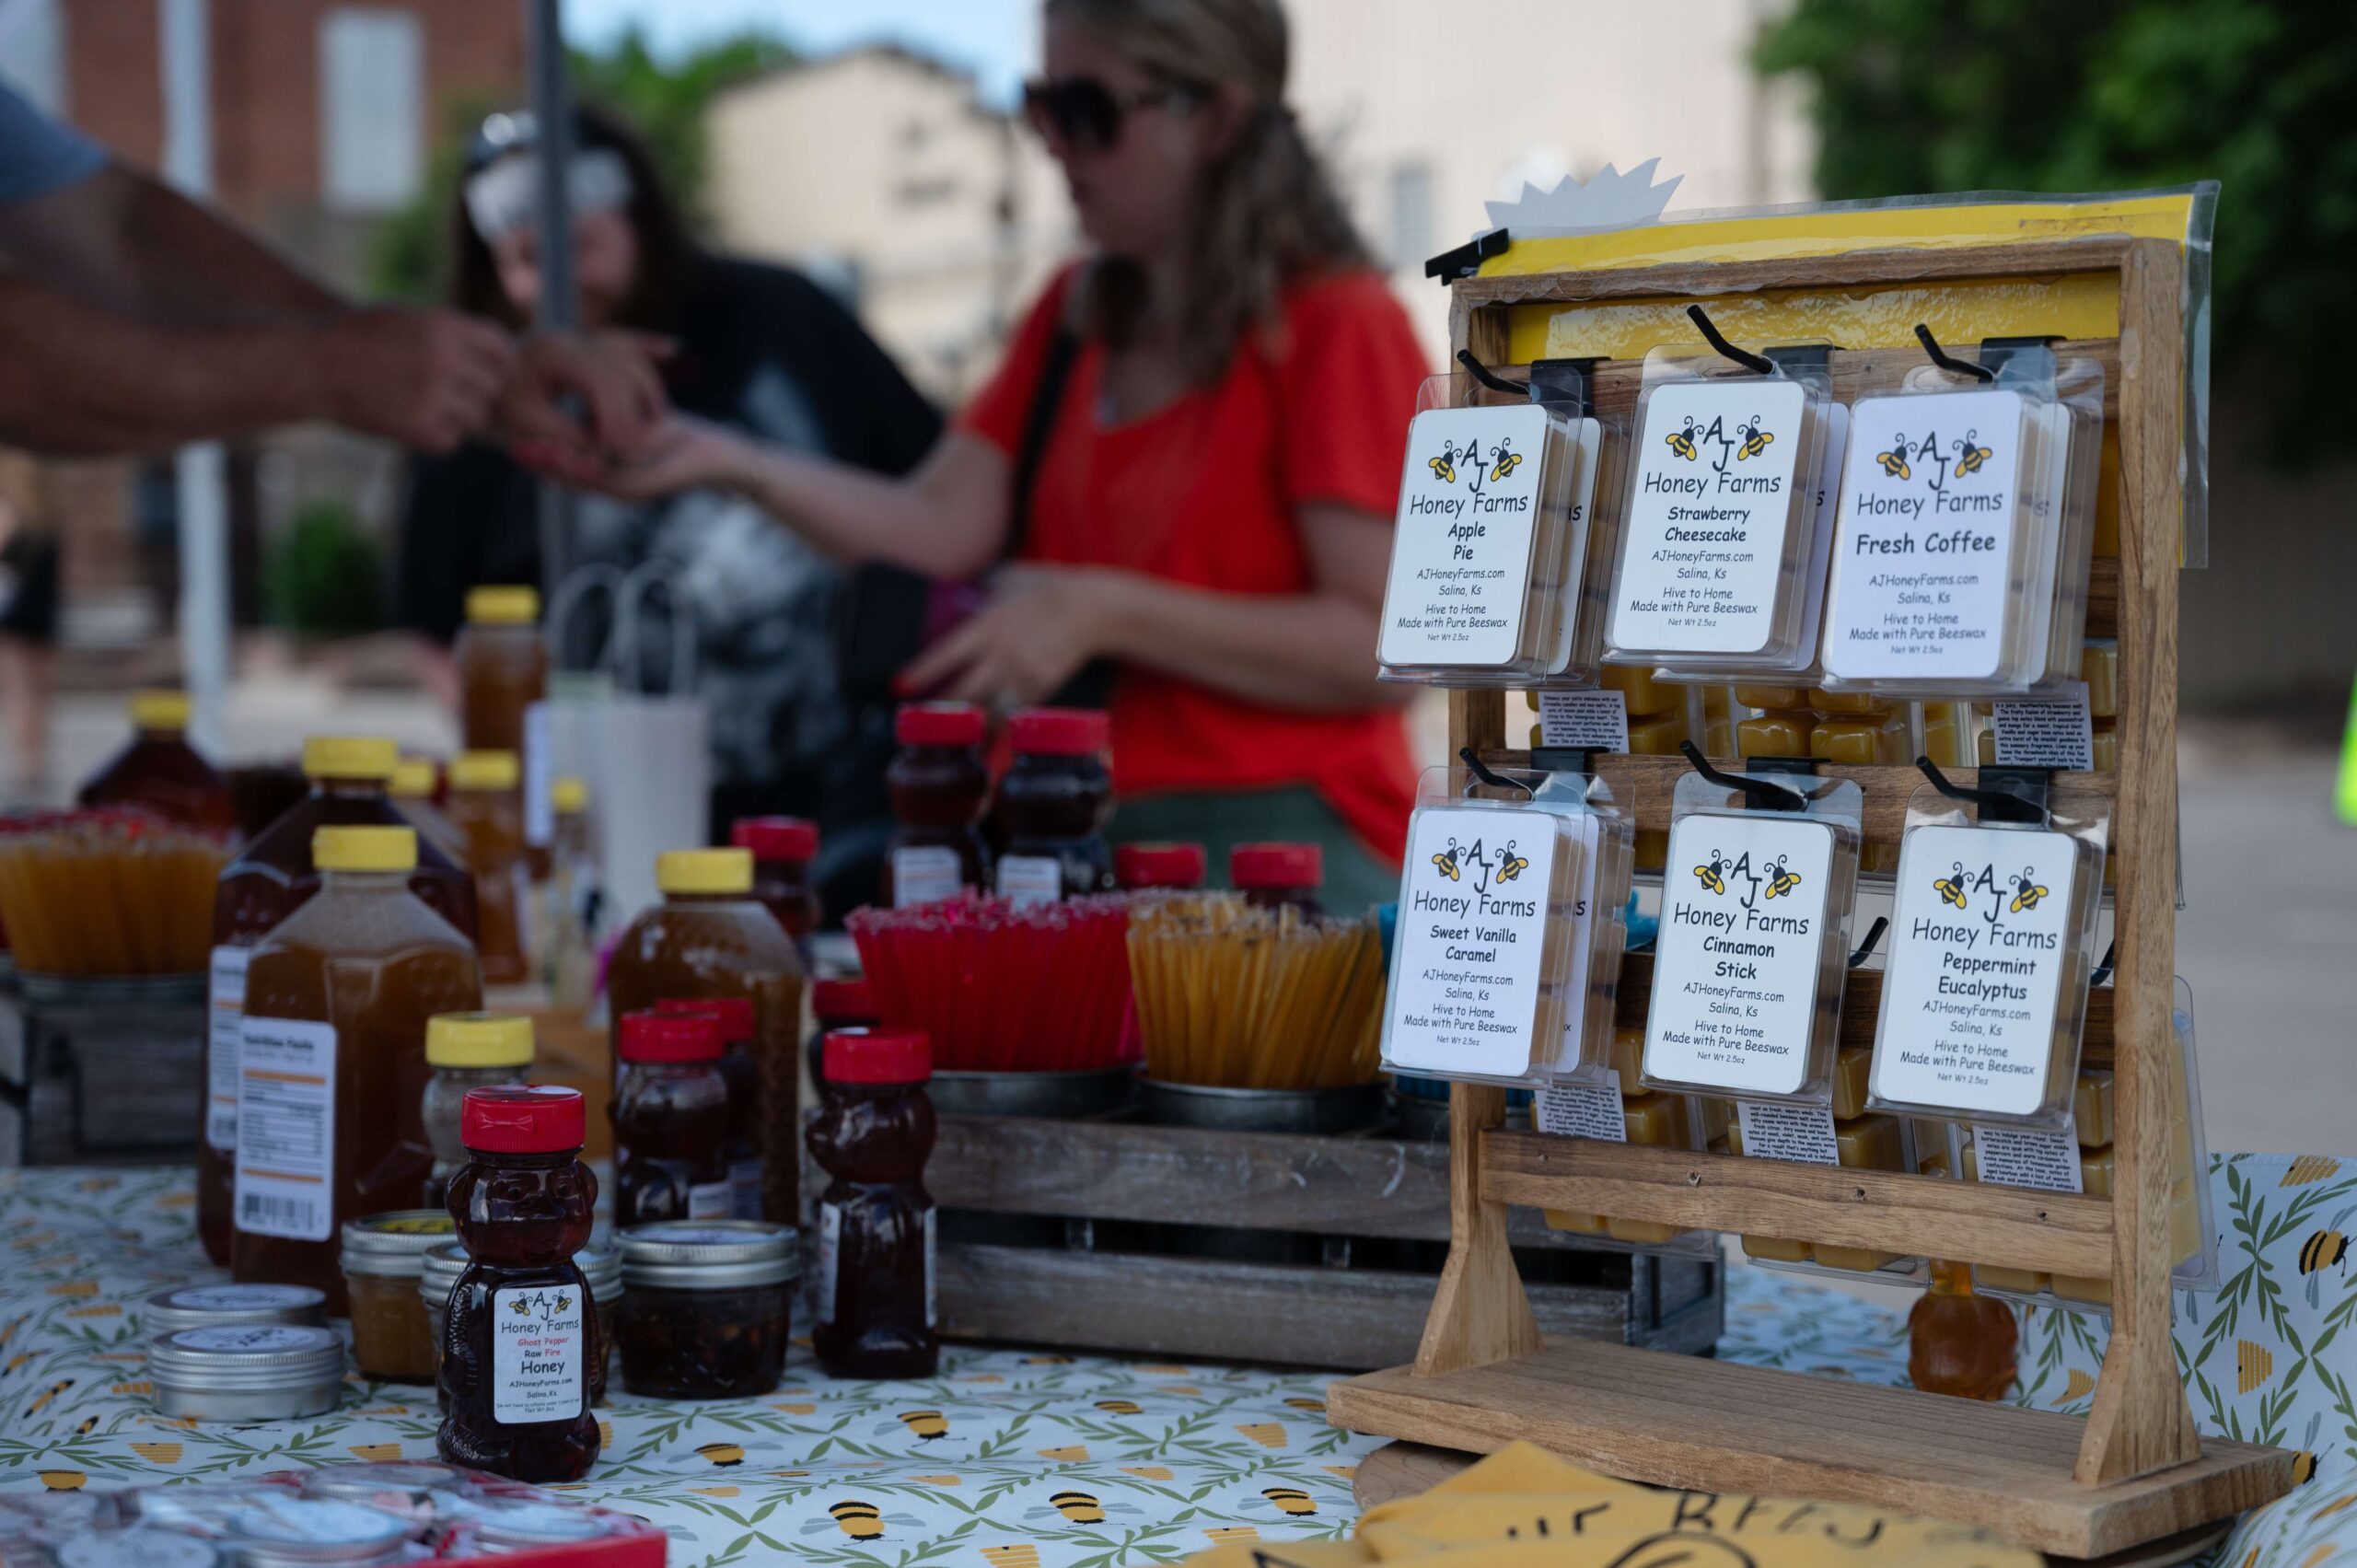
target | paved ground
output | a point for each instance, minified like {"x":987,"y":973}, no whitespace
{"x":2268,"y":939}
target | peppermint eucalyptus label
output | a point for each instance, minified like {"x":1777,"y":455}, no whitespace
{"x":1736,"y":962}
{"x":1980,"y":937}
{"x":1461,"y":545}
{"x":1704,"y":544}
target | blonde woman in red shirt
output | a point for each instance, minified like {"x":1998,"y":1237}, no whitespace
{"x":1211,"y":509}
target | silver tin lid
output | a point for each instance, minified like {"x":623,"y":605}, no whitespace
{"x":139,"y":1546}
{"x":600,"y":1263}
{"x":253,"y":1358}
{"x":374,"y":1479}
{"x":229,"y":1307}
{"x":294,"y":1531}
{"x":394,"y":1242}
{"x":529,"y":1525}
{"x":709,"y":1254}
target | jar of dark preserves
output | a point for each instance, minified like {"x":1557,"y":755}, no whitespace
{"x":1139,"y":866}
{"x":783,"y":849}
{"x":873,"y":1134}
{"x":670,"y":1114}
{"x":521,"y":1333}
{"x":1054,"y":803}
{"x":704,"y":1307}
{"x":939,"y":786}
{"x":1273,"y":876}
{"x":740,"y":1146}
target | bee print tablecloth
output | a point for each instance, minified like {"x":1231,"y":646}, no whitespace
{"x":1013,"y":1459}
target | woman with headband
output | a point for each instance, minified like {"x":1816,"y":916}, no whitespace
{"x":756,"y":350}
{"x":1223,"y":389}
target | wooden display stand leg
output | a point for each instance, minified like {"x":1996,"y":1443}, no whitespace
{"x":1479,"y":1313}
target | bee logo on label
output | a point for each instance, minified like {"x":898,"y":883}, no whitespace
{"x":1447,"y":861}
{"x":1682,"y":442}
{"x":2026,"y":892}
{"x":1894,"y":462}
{"x":1779,"y":881}
{"x":1713,"y":875}
{"x":1443,"y":467}
{"x":1951,"y":887}
{"x":1510,"y":864}
{"x":1508,"y":460}
{"x":1754,"y":440}
{"x":1970,"y":456}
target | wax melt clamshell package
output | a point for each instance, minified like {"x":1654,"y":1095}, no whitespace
{"x":1991,"y":951}
{"x":1723,"y":531}
{"x":1966,"y":519}
{"x":1491,"y":546}
{"x":404,"y":1511}
{"x":2078,"y":1158}
{"x":1605,"y":1103}
{"x":1510,"y":931}
{"x":1753,"y":945}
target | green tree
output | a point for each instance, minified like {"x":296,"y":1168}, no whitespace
{"x":2093,"y":94}
{"x":408,"y":255}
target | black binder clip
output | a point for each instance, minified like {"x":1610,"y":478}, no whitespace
{"x":2004,"y":794}
{"x":1760,"y":794}
{"x":1466,"y":259}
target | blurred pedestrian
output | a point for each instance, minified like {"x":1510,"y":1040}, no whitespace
{"x":28,"y":603}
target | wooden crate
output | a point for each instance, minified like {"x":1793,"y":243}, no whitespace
{"x":1168,"y":1241}
{"x":99,"y":1083}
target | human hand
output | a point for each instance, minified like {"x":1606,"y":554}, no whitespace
{"x":1041,"y":627}
{"x":682,"y":452}
{"x":426,"y":379}
{"x":611,"y":373}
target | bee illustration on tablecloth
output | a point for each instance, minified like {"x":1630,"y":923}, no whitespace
{"x":2026,"y":892}
{"x":1510,"y":864}
{"x":1080,"y":1508}
{"x":1447,"y":860}
{"x":860,"y":1521}
{"x":1781,"y":881}
{"x":1508,"y":459}
{"x":1682,"y":442}
{"x":1713,"y":875}
{"x":2328,"y":1248}
{"x":1290,"y":1501}
{"x":723,"y":1455}
{"x":42,"y":1400}
{"x":1894,"y":462}
{"x":1120,"y":1406}
{"x":1950,"y":888}
{"x":1969,"y":454}
{"x":1754,"y":440}
{"x":925,"y":1426}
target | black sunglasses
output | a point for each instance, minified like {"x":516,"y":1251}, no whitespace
{"x":1085,"y":113}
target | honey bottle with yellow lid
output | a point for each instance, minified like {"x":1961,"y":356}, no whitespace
{"x":332,"y":1061}
{"x":270,"y":878}
{"x":487,"y":805}
{"x":502,"y":666}
{"x":466,"y":1050}
{"x":415,"y":782}
{"x":710,"y":937}
{"x":160,"y":772}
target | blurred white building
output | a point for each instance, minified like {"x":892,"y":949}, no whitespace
{"x":883,"y":170}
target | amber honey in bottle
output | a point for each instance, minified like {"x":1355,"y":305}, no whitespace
{"x":741,"y":1078}
{"x":940,"y":786}
{"x":160,"y":772}
{"x":783,"y":849}
{"x":466,"y":1052}
{"x":487,"y":805}
{"x":332,"y":1062}
{"x":271,"y":879}
{"x":1958,"y":1342}
{"x":1053,"y":804}
{"x":710,"y":937}
{"x":872,"y":1135}
{"x":670,"y":1114}
{"x":521,"y":1334}
{"x":503,"y":666}
{"x":415,"y":782}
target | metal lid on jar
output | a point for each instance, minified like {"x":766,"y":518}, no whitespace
{"x":139,"y":1546}
{"x":229,"y":1307}
{"x":709,"y":1254}
{"x":529,"y":1525}
{"x":288,"y":1532}
{"x":262,"y":1357}
{"x":600,"y":1263}
{"x":365,"y":1480}
{"x":394,"y":1242}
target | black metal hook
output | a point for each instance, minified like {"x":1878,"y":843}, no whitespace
{"x":1768,"y":796}
{"x":1759,"y":364}
{"x":2025,"y":805}
{"x":1873,"y":937}
{"x":1491,"y":379}
{"x":1940,"y":357}
{"x":1494,"y":779}
{"x":2102,"y":973}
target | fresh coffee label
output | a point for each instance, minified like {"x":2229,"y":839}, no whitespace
{"x":539,"y":1352}
{"x":1461,"y":548}
{"x":1703,"y":545}
{"x":1736,"y":966}
{"x":1978,"y":941}
{"x":1472,"y":929}
{"x":1923,"y":553}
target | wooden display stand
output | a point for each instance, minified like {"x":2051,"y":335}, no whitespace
{"x":2131,"y":1472}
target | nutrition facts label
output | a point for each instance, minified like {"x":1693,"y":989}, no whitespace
{"x":1704,"y":542}
{"x":1472,"y":930}
{"x":1736,"y":965}
{"x":225,"y":1022}
{"x":286,"y":1128}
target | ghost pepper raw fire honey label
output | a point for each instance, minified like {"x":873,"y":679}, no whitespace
{"x":1472,"y":962}
{"x":1706,"y":543}
{"x":1461,"y":554}
{"x":1980,"y":937}
{"x":1738,"y":958}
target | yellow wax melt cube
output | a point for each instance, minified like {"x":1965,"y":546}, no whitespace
{"x":1577,"y":1224}
{"x":2029,"y":1282}
{"x":1775,"y":1248}
{"x":1853,"y":1065}
{"x":1945,"y":727}
{"x":1869,"y":1142}
{"x":1772,"y":696}
{"x":1775,"y":735}
{"x":1859,"y":741}
{"x":1655,"y":1120}
{"x":1644,"y":695}
{"x":1859,"y":704}
{"x":1628,"y":1058}
{"x":2099,"y":668}
{"x":1718,"y":1115}
{"x":1986,"y":749}
{"x":2091,"y":1106}
{"x":2104,"y":751}
{"x":1657,"y":736}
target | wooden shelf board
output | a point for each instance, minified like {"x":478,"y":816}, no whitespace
{"x":2014,"y":1227}
{"x":1716,"y":1426}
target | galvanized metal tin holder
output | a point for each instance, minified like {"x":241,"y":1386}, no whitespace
{"x":101,"y":1072}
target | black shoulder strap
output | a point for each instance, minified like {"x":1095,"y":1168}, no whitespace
{"x":1055,"y":369}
